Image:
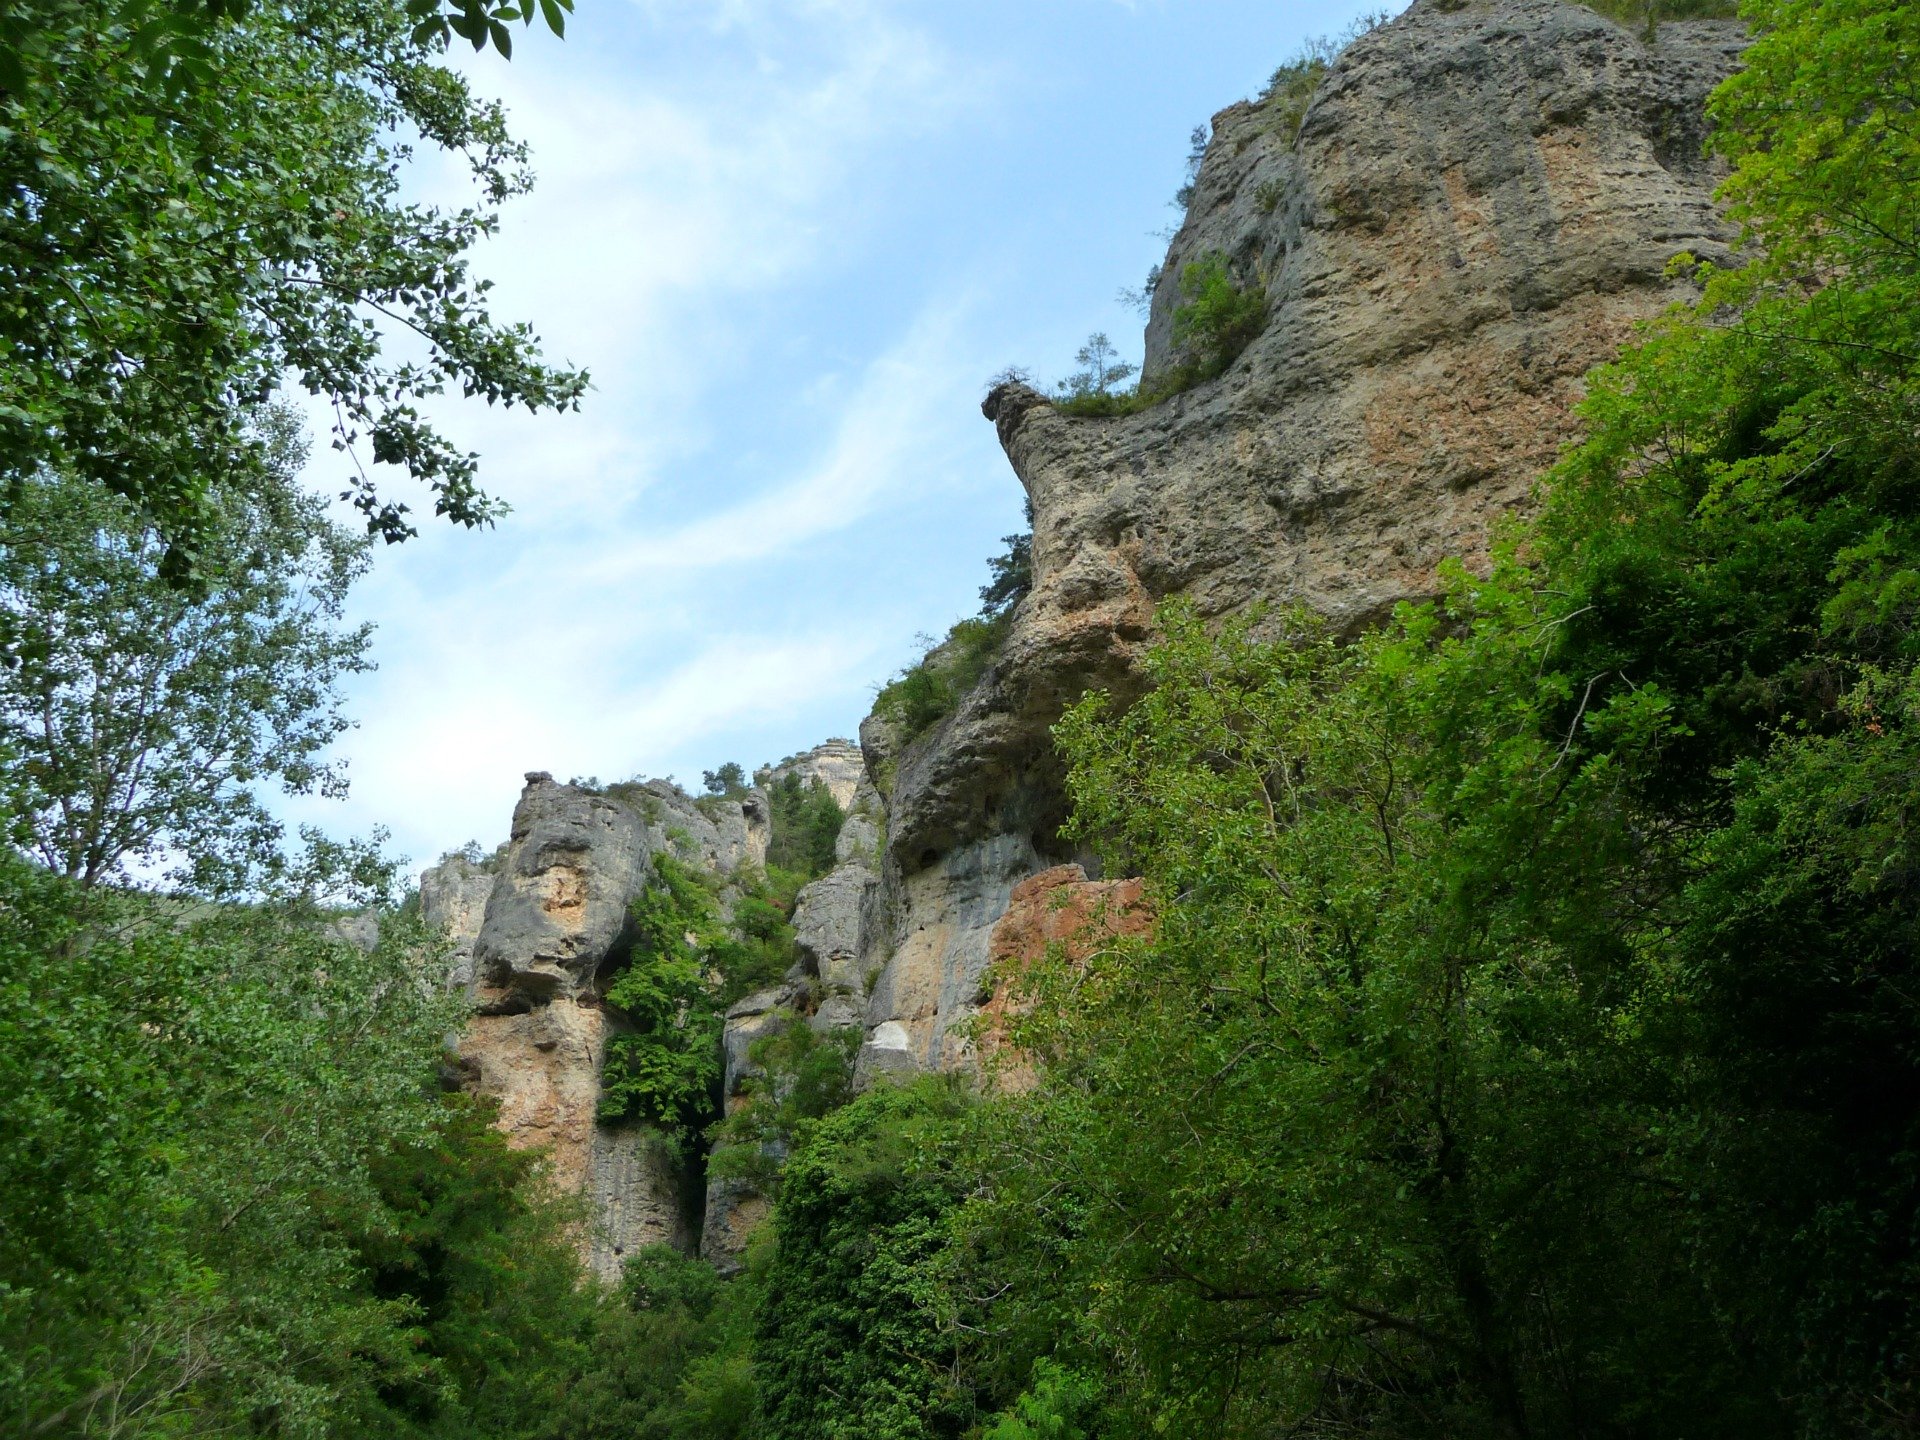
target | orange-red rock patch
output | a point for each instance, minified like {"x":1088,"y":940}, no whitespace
{"x":1060,"y":907}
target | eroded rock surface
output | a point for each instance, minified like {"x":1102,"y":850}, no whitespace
{"x":534,"y":941}
{"x":708,"y":832}
{"x":453,"y":898}
{"x":558,"y":910}
{"x":1478,"y":205}
{"x":1058,"y":907}
{"x":834,"y":933}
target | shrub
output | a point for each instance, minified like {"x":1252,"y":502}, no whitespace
{"x":1011,"y":571}
{"x":926,"y":693}
{"x":849,"y":1340}
{"x":1218,"y":321}
{"x":806,"y":822}
{"x":1196,"y":156}
{"x":1060,"y":1406}
{"x":670,"y":1357}
{"x":666,"y":1071}
{"x":1287,"y":94}
{"x":729,"y":782}
{"x":690,"y":961}
{"x":1284,"y":102}
{"x":803,"y":1076}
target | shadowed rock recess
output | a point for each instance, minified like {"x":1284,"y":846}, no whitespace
{"x":1478,"y":204}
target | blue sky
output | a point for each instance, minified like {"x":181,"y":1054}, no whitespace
{"x":791,"y":241}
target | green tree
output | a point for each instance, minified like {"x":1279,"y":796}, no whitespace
{"x":1101,"y":369}
{"x":671,"y":1357}
{"x":806,"y":822}
{"x":666,"y":1071}
{"x":196,"y":1100}
{"x":729,"y":780}
{"x":1010,"y":573}
{"x":192,"y":215}
{"x":470,"y":1244}
{"x":850,"y":1339}
{"x":139,"y":717}
{"x":1528,"y":1045}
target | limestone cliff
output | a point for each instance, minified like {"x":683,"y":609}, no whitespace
{"x":533,"y":939}
{"x":1476,"y":206}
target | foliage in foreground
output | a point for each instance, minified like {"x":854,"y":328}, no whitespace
{"x":1528,"y":1046}
{"x":178,"y":240}
{"x":850,"y":1345}
{"x":234,"y":1202}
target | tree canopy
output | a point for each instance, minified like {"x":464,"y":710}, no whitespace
{"x":193,"y":210}
{"x":138,"y":718}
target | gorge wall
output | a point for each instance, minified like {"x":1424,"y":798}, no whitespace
{"x":1476,"y":206}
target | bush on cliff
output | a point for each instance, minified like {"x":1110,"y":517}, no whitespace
{"x":924,"y":694}
{"x":692,"y":957}
{"x":1217,"y":319}
{"x":805,"y":824}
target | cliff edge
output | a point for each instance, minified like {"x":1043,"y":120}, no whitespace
{"x":1478,"y":204}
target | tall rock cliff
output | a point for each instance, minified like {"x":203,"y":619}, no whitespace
{"x":1478,"y":203}
{"x":1475,"y":207}
{"x":534,"y":936}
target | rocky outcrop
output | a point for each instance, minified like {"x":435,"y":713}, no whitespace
{"x":534,"y":939}
{"x":557,"y":912}
{"x":536,"y":934}
{"x":937,"y":929}
{"x":1479,"y":203}
{"x":556,"y":918}
{"x":829,"y":984}
{"x":836,"y":764}
{"x":734,"y":1206}
{"x":708,"y":832}
{"x":453,"y":899}
{"x":1476,"y":206}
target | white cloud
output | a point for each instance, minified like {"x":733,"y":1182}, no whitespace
{"x":892,"y":431}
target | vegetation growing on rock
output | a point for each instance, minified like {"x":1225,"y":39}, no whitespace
{"x":1218,"y":317}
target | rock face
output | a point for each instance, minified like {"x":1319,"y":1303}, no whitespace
{"x":453,"y":896}
{"x":836,"y":764}
{"x":1479,"y":203}
{"x":833,"y":932}
{"x":558,"y":910}
{"x":1476,"y":206}
{"x":534,"y":942}
{"x":1058,"y":907}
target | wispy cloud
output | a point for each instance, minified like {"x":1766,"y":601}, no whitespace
{"x":889,"y":438}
